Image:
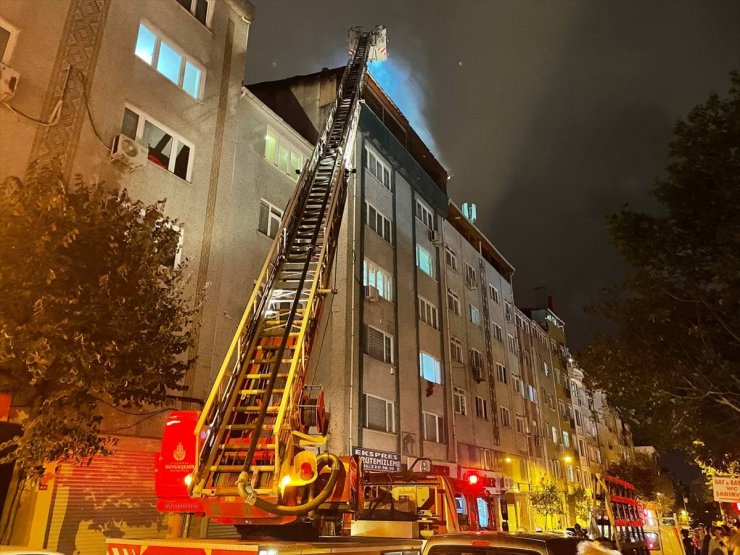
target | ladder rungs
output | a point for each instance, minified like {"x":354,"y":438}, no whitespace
{"x":264,"y":376}
{"x":270,"y":360}
{"x":259,"y":391}
{"x":238,"y":467}
{"x":236,"y":447}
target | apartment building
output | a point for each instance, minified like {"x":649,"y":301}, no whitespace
{"x":142,"y":96}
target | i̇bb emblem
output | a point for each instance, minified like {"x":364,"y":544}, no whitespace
{"x":179,"y":452}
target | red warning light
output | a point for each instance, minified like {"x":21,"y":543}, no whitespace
{"x":473,"y":479}
{"x":306,"y":470}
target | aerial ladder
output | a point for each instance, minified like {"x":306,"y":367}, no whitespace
{"x":616,"y":515}
{"x":257,"y":437}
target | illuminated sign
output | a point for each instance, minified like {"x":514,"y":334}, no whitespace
{"x":378,"y":460}
{"x":726,"y":488}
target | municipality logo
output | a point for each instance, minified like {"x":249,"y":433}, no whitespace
{"x":179,"y":452}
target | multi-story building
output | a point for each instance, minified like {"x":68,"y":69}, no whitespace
{"x":421,"y":349}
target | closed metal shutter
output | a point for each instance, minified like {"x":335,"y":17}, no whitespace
{"x":221,"y":531}
{"x":113,"y":497}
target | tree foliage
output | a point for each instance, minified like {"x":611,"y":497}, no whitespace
{"x":92,"y":312}
{"x":546,"y":500}
{"x":673,"y":364}
{"x":580,"y":500}
{"x":651,"y":484}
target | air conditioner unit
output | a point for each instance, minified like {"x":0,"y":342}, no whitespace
{"x":434,"y":237}
{"x":128,"y":151}
{"x":8,"y":82}
{"x":371,"y":293}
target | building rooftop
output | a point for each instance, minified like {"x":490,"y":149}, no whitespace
{"x":278,"y":96}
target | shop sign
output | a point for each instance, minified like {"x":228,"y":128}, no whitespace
{"x":378,"y":460}
{"x":726,"y":488}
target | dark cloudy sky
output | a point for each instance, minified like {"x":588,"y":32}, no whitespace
{"x":549,"y":115}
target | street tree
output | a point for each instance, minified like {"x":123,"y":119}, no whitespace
{"x":94,"y":315}
{"x":581,"y":503}
{"x":672,"y":363}
{"x":547,"y":501}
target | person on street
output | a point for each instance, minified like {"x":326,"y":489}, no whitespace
{"x":688,"y":544}
{"x":718,"y":544}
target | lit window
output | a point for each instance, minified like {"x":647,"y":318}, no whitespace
{"x":283,"y":154}
{"x":554,"y":434}
{"x":428,"y":313}
{"x":169,"y":60}
{"x":566,"y":439}
{"x":430,"y":368}
{"x":532,"y":393}
{"x":374,"y":275}
{"x":474,"y":314}
{"x":453,"y":302}
{"x":165,"y":149}
{"x":379,"y":414}
{"x":378,"y":222}
{"x":424,"y":261}
{"x":459,"y":401}
{"x":379,"y":344}
{"x":518,"y":385}
{"x":270,"y":216}
{"x":433,"y":427}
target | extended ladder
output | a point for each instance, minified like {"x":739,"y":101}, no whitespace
{"x":260,"y":411}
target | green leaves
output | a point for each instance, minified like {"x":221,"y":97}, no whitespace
{"x":92,"y":310}
{"x":673,"y":363}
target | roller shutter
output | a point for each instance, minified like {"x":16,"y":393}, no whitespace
{"x":113,"y":497}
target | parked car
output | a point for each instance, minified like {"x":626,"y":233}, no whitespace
{"x":502,"y":543}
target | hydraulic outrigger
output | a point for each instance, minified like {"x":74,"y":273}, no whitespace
{"x":257,"y":435}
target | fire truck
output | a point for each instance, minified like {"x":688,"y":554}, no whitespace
{"x":617,"y":515}
{"x":254,"y":456}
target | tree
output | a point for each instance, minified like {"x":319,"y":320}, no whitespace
{"x":651,"y":484}
{"x":671,"y":366}
{"x":93,"y":314}
{"x":580,"y":501}
{"x":546,"y":500}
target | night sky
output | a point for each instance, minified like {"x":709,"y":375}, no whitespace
{"x":548,"y":115}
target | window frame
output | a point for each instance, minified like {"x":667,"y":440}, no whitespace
{"x":193,"y":9}
{"x":270,"y":217}
{"x":160,"y":38}
{"x":453,"y":302}
{"x":388,"y":284}
{"x":474,"y":311}
{"x":388,"y":357}
{"x":438,"y":369}
{"x":383,"y":164}
{"x":379,"y":215}
{"x":451,"y":259}
{"x":471,"y":276}
{"x":456,"y":348}
{"x":281,"y":141}
{"x":459,"y":401}
{"x":176,"y":139}
{"x":481,"y":407}
{"x":439,"y":432}
{"x":502,"y":373}
{"x":13,"y":33}
{"x":388,"y":403}
{"x":424,"y":214}
{"x":432,"y":271}
{"x":498,"y":332}
{"x":493,"y":294}
{"x":505,"y":417}
{"x":427,"y":309}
